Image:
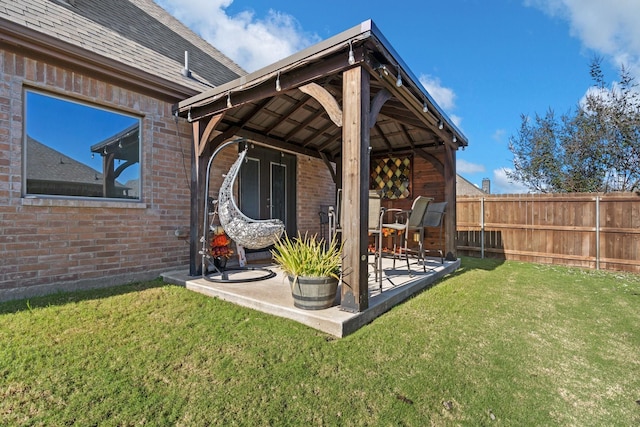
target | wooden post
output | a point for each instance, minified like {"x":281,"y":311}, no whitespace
{"x":450,"y":197}
{"x":355,"y":193}
{"x":198,"y":171}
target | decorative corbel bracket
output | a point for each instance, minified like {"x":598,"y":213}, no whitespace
{"x":325,"y":99}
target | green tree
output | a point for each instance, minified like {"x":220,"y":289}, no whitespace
{"x":595,"y":147}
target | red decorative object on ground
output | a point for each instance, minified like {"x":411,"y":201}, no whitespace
{"x":220,"y":243}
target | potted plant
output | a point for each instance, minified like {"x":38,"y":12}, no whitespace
{"x":219,"y":247}
{"x":313,"y":269}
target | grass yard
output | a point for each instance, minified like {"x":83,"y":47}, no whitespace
{"x":497,"y":343}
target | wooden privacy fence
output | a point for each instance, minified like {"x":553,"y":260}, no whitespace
{"x":598,"y":231}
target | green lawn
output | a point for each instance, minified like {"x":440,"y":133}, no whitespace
{"x":494,"y":344}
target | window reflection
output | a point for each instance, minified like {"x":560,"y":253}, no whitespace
{"x":78,"y":150}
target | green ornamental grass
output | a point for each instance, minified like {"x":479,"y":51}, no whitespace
{"x":495,"y":343}
{"x":308,"y":256}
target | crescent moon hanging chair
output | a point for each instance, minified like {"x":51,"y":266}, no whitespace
{"x":248,"y":232}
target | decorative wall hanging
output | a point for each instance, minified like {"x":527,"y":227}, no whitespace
{"x":392,"y":176}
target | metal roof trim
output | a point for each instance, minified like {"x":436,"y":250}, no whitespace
{"x":317,"y":50}
{"x":365,"y":30}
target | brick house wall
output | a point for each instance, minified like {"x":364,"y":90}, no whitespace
{"x":57,"y":244}
{"x":51,"y":245}
{"x":315,"y":188}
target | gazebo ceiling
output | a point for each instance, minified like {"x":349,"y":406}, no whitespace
{"x":294,"y":104}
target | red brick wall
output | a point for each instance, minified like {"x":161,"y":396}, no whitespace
{"x":54,"y":244}
{"x":315,"y":188}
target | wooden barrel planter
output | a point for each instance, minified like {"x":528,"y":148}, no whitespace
{"x":313,"y":293}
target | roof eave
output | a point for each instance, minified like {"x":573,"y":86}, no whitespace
{"x":18,"y":36}
{"x":322,"y":48}
{"x":366,"y":31}
{"x":415,"y":82}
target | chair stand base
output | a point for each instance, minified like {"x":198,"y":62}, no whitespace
{"x":222,"y":275}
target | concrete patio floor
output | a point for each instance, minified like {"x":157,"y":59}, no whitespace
{"x":273,"y":295}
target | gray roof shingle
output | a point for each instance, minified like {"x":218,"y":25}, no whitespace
{"x":135,"y":32}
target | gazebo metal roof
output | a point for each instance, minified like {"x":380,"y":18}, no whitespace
{"x":281,"y":104}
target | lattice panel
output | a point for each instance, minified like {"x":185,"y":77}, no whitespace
{"x":392,"y":176}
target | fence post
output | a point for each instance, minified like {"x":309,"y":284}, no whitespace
{"x":597,"y":232}
{"x":482,"y":228}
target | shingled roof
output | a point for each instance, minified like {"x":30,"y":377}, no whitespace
{"x":137,"y":34}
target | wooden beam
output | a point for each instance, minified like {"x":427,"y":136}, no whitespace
{"x":383,"y":136}
{"x":225,"y":135}
{"x":320,"y":133}
{"x":355,"y":194}
{"x":407,"y":151}
{"x":407,"y":135}
{"x":378,"y":101}
{"x":196,"y":135}
{"x":435,"y":162}
{"x":414,"y":105}
{"x":256,"y":110}
{"x":325,"y":99}
{"x":397,"y":115}
{"x":304,"y":124}
{"x":292,"y":80}
{"x":206,"y":135}
{"x":451,"y":253}
{"x":327,"y":162}
{"x":198,"y":172}
{"x":276,"y":143}
{"x":285,"y":116}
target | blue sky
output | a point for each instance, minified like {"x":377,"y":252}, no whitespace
{"x":486,"y":62}
{"x":49,"y":118}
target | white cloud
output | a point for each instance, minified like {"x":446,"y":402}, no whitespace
{"x":500,"y":184}
{"x":498,"y":135}
{"x":445,"y":97}
{"x":465,"y":167}
{"x":252,"y":42}
{"x":457,"y":120}
{"x":607,"y":27}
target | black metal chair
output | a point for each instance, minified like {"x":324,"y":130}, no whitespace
{"x":406,"y":222}
{"x":433,"y":218}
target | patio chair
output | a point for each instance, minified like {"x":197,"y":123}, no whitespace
{"x":433,"y":218}
{"x":248,"y":232}
{"x":335,"y":219}
{"x":407,"y":222}
{"x":374,"y":227}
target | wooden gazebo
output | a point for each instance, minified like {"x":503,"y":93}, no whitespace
{"x":343,"y":100}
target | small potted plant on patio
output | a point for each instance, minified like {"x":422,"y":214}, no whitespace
{"x":313,"y":269}
{"x":219,"y":247}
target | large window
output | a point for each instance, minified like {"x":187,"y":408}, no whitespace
{"x":78,"y":150}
